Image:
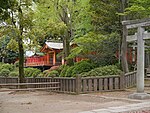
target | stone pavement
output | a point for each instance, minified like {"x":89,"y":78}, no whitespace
{"x":143,"y":107}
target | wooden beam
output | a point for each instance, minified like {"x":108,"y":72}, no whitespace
{"x":19,"y":84}
{"x":54,"y":58}
{"x":30,"y":89}
{"x":136,"y":23}
{"x":48,"y":58}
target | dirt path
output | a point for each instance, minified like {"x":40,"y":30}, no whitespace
{"x":46,"y":102}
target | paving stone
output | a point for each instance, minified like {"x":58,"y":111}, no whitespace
{"x":104,"y":112}
{"x":86,"y":112}
{"x":101,"y":111}
{"x":126,"y":108}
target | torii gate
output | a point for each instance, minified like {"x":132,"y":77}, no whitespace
{"x":140,"y":37}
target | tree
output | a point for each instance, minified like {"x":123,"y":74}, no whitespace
{"x":6,"y":54}
{"x":61,"y":19}
{"x":104,"y":16}
{"x":100,"y":49}
{"x":18,"y":24}
{"x":124,"y":34}
{"x":138,"y":9}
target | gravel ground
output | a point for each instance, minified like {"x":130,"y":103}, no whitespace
{"x":47,"y":102}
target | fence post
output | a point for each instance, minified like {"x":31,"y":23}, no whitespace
{"x":78,"y":84}
{"x":122,"y":81}
{"x":145,"y":72}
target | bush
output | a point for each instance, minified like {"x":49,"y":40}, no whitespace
{"x":83,"y":66}
{"x":10,"y":67}
{"x":40,"y":75}
{"x":69,"y":71}
{"x":79,"y":67}
{"x":4,"y":72}
{"x":1,"y":63}
{"x":45,"y":73}
{"x":63,"y":70}
{"x":32,"y":72}
{"x":14,"y":74}
{"x":53,"y":73}
{"x":103,"y":71}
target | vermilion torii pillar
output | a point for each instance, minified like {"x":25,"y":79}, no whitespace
{"x":140,"y":37}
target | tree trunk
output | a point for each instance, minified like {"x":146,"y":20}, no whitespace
{"x":124,"y":62}
{"x":21,"y":60}
{"x":67,"y":50}
{"x":67,"y":37}
{"x":21,"y":49}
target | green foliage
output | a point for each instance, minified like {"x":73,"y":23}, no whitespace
{"x":14,"y":74}
{"x":64,"y":69}
{"x":12,"y":45}
{"x":82,"y":66}
{"x":82,"y":18}
{"x":6,"y":53}
{"x":104,"y":17}
{"x":103,"y":71}
{"x":79,"y":67}
{"x":69,"y":71}
{"x":53,"y":73}
{"x":138,"y":9}
{"x":4,"y":72}
{"x":45,"y":73}
{"x":32,"y":72}
{"x":100,"y":49}
{"x":48,"y":20}
{"x":18,"y":26}
{"x":40,"y":75}
{"x":9,"y":67}
{"x":1,"y":63}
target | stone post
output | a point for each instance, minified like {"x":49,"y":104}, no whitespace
{"x":140,"y":61}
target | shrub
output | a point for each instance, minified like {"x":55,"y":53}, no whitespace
{"x":14,"y":74}
{"x":79,"y":67}
{"x":45,"y":73}
{"x":103,"y":71}
{"x":36,"y":72}
{"x":40,"y":75}
{"x":82,"y":66}
{"x":10,"y":67}
{"x":1,"y":63}
{"x":32,"y":72}
{"x":53,"y":73}
{"x":69,"y":71}
{"x":4,"y":72}
{"x":63,"y":70}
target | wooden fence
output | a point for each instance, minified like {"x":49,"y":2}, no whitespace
{"x":130,"y":79}
{"x":79,"y":84}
